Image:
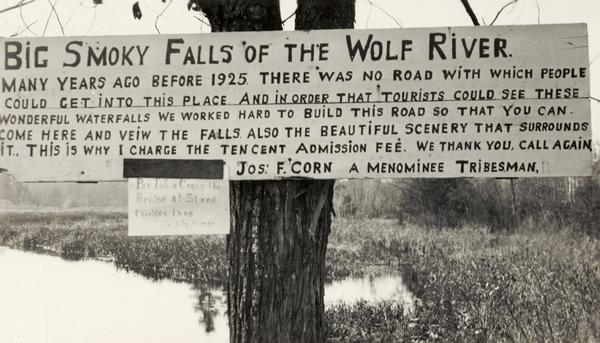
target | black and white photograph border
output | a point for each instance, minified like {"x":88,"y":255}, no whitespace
{"x":468,"y":242}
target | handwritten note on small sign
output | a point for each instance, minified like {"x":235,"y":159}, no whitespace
{"x":164,"y":207}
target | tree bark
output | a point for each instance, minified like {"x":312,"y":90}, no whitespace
{"x":330,"y":14}
{"x":279,"y":229}
{"x":276,"y":253}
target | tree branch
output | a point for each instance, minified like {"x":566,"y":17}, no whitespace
{"x":369,"y":15}
{"x":288,"y":18}
{"x":62,"y":29}
{"x":16,"y":6}
{"x":469,"y":10}
{"x":25,"y":29}
{"x":160,"y":15}
{"x":384,"y":12}
{"x":202,"y":21}
{"x":93,"y":21}
{"x":502,"y":10}
{"x":20,"y":5}
{"x":48,"y":21}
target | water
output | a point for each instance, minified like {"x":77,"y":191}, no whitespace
{"x":369,"y":289}
{"x":47,"y":299}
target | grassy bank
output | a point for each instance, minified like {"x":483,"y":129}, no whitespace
{"x":471,"y":285}
{"x":476,"y":286}
{"x":77,"y":235}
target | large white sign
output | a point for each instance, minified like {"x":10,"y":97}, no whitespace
{"x":434,"y":102}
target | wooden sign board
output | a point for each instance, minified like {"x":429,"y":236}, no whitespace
{"x":170,"y":207}
{"x":507,"y":101}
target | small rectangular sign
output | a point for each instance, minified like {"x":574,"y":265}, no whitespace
{"x":165,"y":207}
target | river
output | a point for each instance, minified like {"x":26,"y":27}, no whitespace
{"x":51,"y":300}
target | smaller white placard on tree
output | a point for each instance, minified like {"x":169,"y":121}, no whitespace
{"x":165,"y":207}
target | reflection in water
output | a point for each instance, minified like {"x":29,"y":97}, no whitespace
{"x":212,"y":304}
{"x":370,"y":289}
{"x":47,"y":299}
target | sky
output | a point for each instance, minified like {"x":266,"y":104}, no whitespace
{"x":114,"y":17}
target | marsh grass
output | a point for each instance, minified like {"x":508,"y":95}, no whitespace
{"x":472,"y":285}
{"x":76,"y":235}
{"x":476,"y":286}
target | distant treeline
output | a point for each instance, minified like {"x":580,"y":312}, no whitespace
{"x":61,"y":195}
{"x":500,"y":204}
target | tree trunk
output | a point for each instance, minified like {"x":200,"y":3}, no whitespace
{"x":276,"y":253}
{"x":279,"y":229}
